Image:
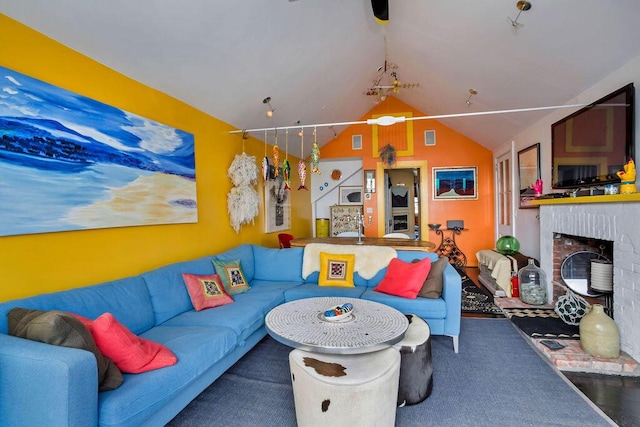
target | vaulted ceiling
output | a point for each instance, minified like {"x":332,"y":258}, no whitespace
{"x":317,"y":58}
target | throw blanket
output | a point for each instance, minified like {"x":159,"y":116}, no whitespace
{"x":502,"y":265}
{"x":369,"y":259}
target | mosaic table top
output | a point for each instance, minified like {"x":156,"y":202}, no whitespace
{"x":371,"y":326}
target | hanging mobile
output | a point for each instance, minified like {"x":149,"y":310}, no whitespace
{"x":315,"y":154}
{"x":286,"y":167}
{"x":302,"y":167}
{"x":265,"y":160}
{"x":276,"y":156}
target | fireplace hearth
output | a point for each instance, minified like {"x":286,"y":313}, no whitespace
{"x":589,"y":226}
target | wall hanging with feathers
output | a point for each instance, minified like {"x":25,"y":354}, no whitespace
{"x":388,"y":155}
{"x":242,"y":201}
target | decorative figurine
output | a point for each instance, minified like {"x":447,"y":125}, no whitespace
{"x":537,"y":188}
{"x":628,"y":178}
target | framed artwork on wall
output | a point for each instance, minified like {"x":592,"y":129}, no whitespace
{"x":528,"y":174}
{"x":400,"y":197}
{"x":343,"y":219}
{"x":73,"y":163}
{"x":350,"y":195}
{"x":455,"y":183}
{"x":400,"y":222}
{"x":277,"y":206}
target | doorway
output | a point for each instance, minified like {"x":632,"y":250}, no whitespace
{"x":402,"y":202}
{"x":504,"y":190}
{"x":415,"y":186}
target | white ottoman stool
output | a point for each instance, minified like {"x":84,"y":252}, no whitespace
{"x":416,"y":369}
{"x":348,"y":390}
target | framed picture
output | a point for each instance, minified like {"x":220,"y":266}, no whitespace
{"x":277,"y":206}
{"x":343,"y":219}
{"x":400,"y":222}
{"x":457,"y":183}
{"x":350,"y":195}
{"x":528,"y":174}
{"x":400,"y":197}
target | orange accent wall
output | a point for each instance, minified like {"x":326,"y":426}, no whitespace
{"x":39,"y":263}
{"x":451,"y":149}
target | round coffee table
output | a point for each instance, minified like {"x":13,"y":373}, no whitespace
{"x":371,"y":326}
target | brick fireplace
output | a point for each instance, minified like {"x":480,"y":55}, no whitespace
{"x":615,"y":222}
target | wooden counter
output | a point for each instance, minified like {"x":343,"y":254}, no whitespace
{"x":397,"y":244}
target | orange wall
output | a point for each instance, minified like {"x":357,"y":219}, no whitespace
{"x":451,"y":149}
{"x":38,"y":263}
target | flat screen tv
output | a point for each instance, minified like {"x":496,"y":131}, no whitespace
{"x":591,"y":145}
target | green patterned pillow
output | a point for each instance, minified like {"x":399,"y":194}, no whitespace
{"x":232,"y":277}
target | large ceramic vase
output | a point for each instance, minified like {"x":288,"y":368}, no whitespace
{"x":599,"y":334}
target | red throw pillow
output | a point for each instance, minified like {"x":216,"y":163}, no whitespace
{"x":404,"y":279}
{"x":130,"y":353}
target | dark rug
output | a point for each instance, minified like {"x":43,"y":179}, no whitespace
{"x":542,"y":323}
{"x":470,"y":388}
{"x":477,"y":299}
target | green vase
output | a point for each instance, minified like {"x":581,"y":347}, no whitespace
{"x":599,"y":334}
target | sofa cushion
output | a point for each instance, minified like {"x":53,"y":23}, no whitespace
{"x":277,"y":264}
{"x":126,"y":298}
{"x":130,"y":353}
{"x":310,"y":290}
{"x":432,"y":286}
{"x":65,"y":330}
{"x":206,"y":291}
{"x":244,"y":316}
{"x":232,"y":276}
{"x":245,"y":254}
{"x":336,"y":269}
{"x":169,"y":296}
{"x":427,"y":308}
{"x":199,"y":350}
{"x":404,"y":279}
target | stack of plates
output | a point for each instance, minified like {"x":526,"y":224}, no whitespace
{"x":601,"y":275}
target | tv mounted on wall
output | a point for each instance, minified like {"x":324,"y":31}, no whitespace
{"x":591,"y":145}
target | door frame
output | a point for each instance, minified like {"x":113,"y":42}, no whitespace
{"x":381,"y":189}
{"x":505,"y":229}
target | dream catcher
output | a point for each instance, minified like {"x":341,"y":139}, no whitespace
{"x":242,"y":200}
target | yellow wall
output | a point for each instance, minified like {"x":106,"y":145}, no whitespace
{"x":451,"y":149}
{"x":33,"y":264}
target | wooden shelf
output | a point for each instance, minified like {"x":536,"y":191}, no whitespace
{"x":609,"y":198}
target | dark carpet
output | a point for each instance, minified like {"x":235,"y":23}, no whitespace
{"x":477,"y":299}
{"x":542,"y":323}
{"x":471,"y":388}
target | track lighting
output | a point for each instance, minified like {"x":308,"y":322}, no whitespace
{"x":270,"y":111}
{"x":523,"y":6}
{"x":471,"y":93}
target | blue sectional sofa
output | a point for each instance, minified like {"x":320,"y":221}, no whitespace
{"x":47,"y":385}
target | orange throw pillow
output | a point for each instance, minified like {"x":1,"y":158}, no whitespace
{"x":404,"y":279}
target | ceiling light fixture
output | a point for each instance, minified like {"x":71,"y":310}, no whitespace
{"x":471,"y":93}
{"x":386,"y":80}
{"x":523,"y":6}
{"x":270,"y":111}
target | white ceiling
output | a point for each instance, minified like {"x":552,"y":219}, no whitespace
{"x":316,"y":58}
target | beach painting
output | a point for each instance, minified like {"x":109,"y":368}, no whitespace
{"x":68,"y":162}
